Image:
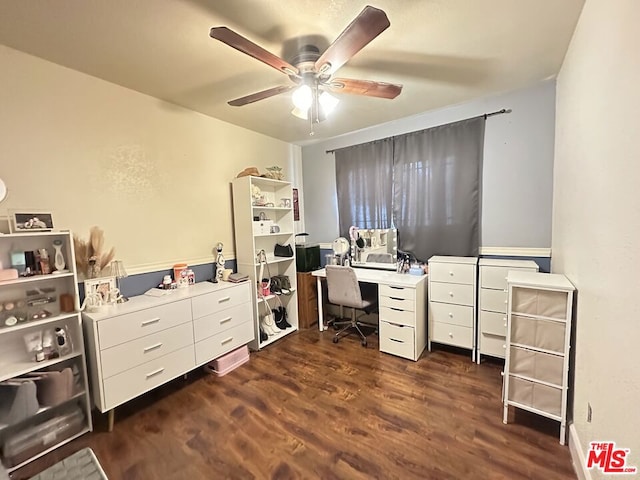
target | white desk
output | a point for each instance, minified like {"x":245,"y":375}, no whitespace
{"x":402,"y":302}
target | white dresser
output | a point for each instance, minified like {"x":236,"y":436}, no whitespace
{"x":492,"y":302}
{"x":136,"y":346}
{"x":452,"y":301}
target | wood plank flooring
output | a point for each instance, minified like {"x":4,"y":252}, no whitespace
{"x":306,"y":408}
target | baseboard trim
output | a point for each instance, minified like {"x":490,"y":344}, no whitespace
{"x":577,"y":457}
{"x":516,"y":251}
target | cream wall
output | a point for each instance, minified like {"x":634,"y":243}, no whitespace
{"x":596,"y":219}
{"x":155,"y":176}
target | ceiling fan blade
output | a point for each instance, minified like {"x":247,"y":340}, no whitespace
{"x":364,"y":87}
{"x":244,"y":45}
{"x":370,"y":23}
{"x":254,"y":97}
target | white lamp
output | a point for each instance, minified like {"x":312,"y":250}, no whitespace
{"x":118,"y":271}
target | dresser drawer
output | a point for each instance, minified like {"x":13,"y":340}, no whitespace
{"x":452,"y":273}
{"x":453,"y":314}
{"x":452,"y":334}
{"x":397,"y":303}
{"x":391,"y":291}
{"x":402,"y":317}
{"x":397,"y":340}
{"x":213,"y":302}
{"x":130,"y":326}
{"x":136,"y":352}
{"x":214,"y":323}
{"x":496,"y":277}
{"x":131,"y":383}
{"x":452,"y":293}
{"x":223,"y":342}
{"x":493,"y":345}
{"x":493,"y":300}
{"x":493,"y":323}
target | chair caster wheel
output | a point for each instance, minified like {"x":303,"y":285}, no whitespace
{"x":364,"y":343}
{"x":335,"y":339}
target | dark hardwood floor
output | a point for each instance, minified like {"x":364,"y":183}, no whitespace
{"x":306,"y":408}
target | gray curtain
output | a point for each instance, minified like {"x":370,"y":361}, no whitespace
{"x":436,"y":189}
{"x":364,"y":185}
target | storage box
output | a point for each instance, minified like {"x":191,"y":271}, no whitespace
{"x":232,"y":360}
{"x":262,"y":227}
{"x":30,"y":441}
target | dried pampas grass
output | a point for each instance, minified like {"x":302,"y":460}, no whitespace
{"x":90,"y":258}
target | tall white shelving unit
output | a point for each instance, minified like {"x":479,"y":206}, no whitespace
{"x":271,"y":201}
{"x":30,"y":305}
{"x":536,"y":373}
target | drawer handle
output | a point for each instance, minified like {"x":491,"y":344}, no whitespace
{"x":228,"y":319}
{"x":226,"y":341}
{"x":397,"y":341}
{"x":451,"y":334}
{"x":450,"y":315}
{"x":504,"y":347}
{"x":150,"y":321}
{"x":155,"y":372}
{"x":396,"y":309}
{"x":152,"y":347}
{"x":505,"y":324}
{"x":224,"y":299}
{"x":451,"y":294}
{"x":396,"y":288}
{"x":451,"y":273}
{"x":505,"y":302}
{"x":397,"y":298}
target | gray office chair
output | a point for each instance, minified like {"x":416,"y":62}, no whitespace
{"x":380,"y":258}
{"x":344,"y":290}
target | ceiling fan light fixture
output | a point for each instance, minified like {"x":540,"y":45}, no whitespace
{"x":302,"y":97}
{"x":303,"y":114}
{"x":328,"y":102}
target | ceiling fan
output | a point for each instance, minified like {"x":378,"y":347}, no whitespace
{"x":312,"y":72}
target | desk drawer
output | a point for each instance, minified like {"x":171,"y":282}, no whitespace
{"x":215,"y":323}
{"x":452,"y":273}
{"x":131,"y":383}
{"x":452,"y":334}
{"x":215,"y":301}
{"x":397,"y":340}
{"x":452,"y":314}
{"x":223,"y":342}
{"x":493,"y":300}
{"x":402,"y":317}
{"x":397,"y":303}
{"x":493,"y":345}
{"x":392,"y":291}
{"x":452,"y":293}
{"x":493,"y":323}
{"x":136,"y":352}
{"x":124,"y":328}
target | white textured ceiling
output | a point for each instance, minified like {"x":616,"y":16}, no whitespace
{"x":442,"y":51}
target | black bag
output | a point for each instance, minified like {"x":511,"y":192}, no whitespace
{"x":283,"y":250}
{"x":280,"y":316}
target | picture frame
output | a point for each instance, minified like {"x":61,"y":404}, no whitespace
{"x":102,"y":285}
{"x":28,"y":220}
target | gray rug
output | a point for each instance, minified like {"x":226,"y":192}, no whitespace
{"x":82,"y":465}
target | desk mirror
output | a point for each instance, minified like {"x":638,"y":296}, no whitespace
{"x":380,"y":248}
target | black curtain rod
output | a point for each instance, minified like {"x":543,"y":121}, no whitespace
{"x":485,"y":115}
